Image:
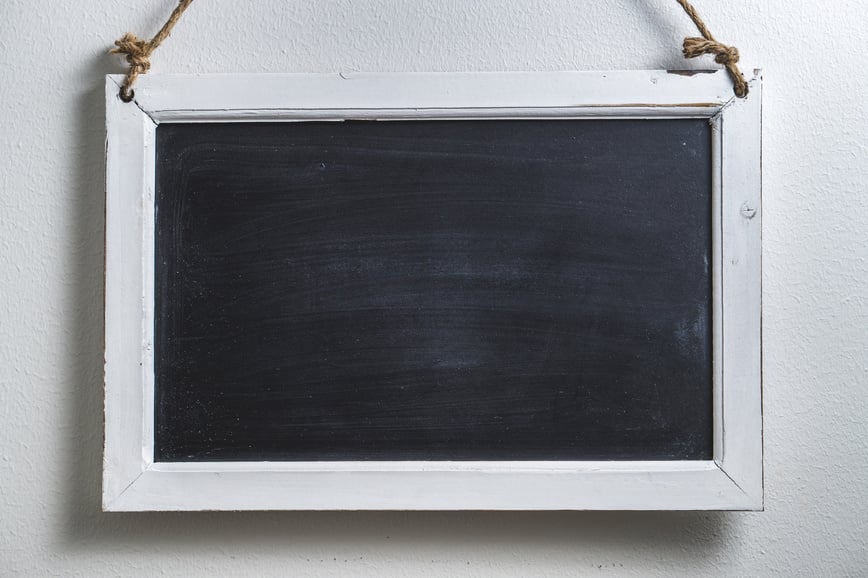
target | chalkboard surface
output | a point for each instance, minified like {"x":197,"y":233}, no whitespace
{"x":433,"y":290}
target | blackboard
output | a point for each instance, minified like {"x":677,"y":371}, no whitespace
{"x":433,"y":290}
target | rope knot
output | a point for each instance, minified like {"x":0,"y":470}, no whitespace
{"x":138,"y":54}
{"x":726,"y":55}
{"x":137,"y":51}
{"x":723,"y":54}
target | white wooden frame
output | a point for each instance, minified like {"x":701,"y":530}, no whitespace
{"x":732,"y":480}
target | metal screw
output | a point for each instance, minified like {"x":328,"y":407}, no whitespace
{"x":747,"y":211}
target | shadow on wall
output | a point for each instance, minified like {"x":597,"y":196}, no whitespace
{"x":85,"y":527}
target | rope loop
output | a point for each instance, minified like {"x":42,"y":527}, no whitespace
{"x":138,"y":52}
{"x":723,"y":54}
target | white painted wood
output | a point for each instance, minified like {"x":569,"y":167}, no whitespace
{"x":132,"y":481}
{"x":703,"y":486}
{"x":303,"y":114}
{"x":741,"y":179}
{"x":129,"y":179}
{"x":211,"y":96}
{"x":717,"y":293}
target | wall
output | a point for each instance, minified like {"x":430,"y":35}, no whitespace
{"x":815,"y":276}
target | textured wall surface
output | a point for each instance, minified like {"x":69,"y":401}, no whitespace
{"x":815,"y":334}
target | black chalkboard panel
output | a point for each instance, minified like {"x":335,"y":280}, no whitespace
{"x":433,"y":290}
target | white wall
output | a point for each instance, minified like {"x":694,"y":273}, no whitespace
{"x":815,"y":277}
